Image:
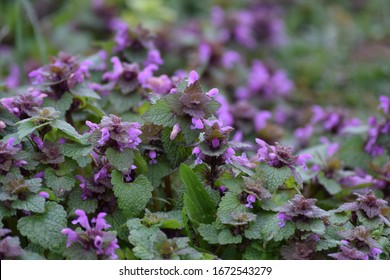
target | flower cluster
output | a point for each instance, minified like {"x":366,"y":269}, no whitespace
{"x":115,"y":133}
{"x":278,"y":155}
{"x":92,"y":237}
{"x":358,"y":245}
{"x":368,"y":203}
{"x":262,"y":81}
{"x":24,"y":105}
{"x":9,"y":155}
{"x":9,"y":246}
{"x":260,"y":23}
{"x":376,"y":141}
{"x":300,"y":209}
{"x":63,"y":74}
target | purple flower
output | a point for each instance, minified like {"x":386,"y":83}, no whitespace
{"x":100,"y":222}
{"x":105,"y":136}
{"x":82,"y":219}
{"x":304,"y":134}
{"x":72,"y":236}
{"x":204,"y":53}
{"x":282,"y":217}
{"x":104,"y":243}
{"x":196,"y":124}
{"x":230,"y":58}
{"x":258,"y":76}
{"x":147,"y":73}
{"x":152,"y":156}
{"x":228,"y":155}
{"x":261,"y":119}
{"x":175,"y":130}
{"x":244,"y":161}
{"x":375,"y":252}
{"x":360,"y":178}
{"x":250,"y":199}
{"x":278,"y":156}
{"x":222,"y":189}
{"x":43,"y":194}
{"x":129,"y":173}
{"x":223,"y":113}
{"x":197,"y":152}
{"x":193,"y":77}
{"x":117,"y":70}
{"x":161,"y":84}
{"x":384,"y":104}
{"x":153,"y":57}
{"x":122,"y":37}
{"x":12,"y":80}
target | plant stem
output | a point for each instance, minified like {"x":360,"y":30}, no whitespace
{"x":168,"y":190}
{"x":156,"y":205}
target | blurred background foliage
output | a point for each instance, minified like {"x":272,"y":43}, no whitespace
{"x":338,"y":51}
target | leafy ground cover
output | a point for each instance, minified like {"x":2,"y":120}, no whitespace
{"x":213,"y":130}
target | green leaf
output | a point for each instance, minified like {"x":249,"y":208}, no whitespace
{"x":269,"y":227}
{"x":77,"y":252}
{"x":118,"y":222}
{"x":62,"y":105}
{"x":132,"y":197}
{"x":33,"y":203}
{"x":211,"y":108}
{"x":26,"y":128}
{"x":45,"y":229}
{"x":332,"y":186}
{"x":228,"y":205}
{"x":273,"y":177}
{"x":120,"y":160}
{"x":314,"y":225}
{"x":76,"y":202}
{"x":4,"y":212}
{"x":59,"y":184}
{"x":209,"y":233}
{"x":189,"y":134}
{"x":82,"y":90}
{"x":160,"y":114}
{"x":257,"y":251}
{"x":144,"y":239}
{"x":175,"y":150}
{"x":34,"y":185}
{"x":198,"y":203}
{"x":67,"y":130}
{"x":234,"y":185}
{"x":352,"y":153}
{"x":338,"y":218}
{"x":371,"y":224}
{"x":79,"y":153}
{"x":325,"y":244}
{"x":140,"y":162}
{"x":226,"y":237}
{"x":157,"y":171}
